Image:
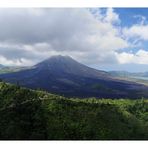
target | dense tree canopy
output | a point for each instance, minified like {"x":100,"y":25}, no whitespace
{"x":30,"y":114}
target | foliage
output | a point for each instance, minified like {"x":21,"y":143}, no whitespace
{"x":29,"y":114}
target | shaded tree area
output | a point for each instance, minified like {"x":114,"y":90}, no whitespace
{"x":28,"y":114}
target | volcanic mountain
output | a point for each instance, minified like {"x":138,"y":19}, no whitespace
{"x":65,"y":76}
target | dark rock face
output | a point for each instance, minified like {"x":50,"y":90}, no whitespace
{"x":65,"y":76}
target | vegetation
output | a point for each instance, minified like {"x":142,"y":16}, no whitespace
{"x":11,"y":69}
{"x":30,"y":114}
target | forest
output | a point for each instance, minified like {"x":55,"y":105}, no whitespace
{"x":27,"y":114}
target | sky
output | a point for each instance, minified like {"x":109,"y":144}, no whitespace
{"x":103,"y":38}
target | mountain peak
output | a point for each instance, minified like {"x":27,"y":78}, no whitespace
{"x":57,"y":60}
{"x":60,"y":57}
{"x":65,"y":64}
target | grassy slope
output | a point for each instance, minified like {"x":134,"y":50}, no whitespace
{"x":27,"y":114}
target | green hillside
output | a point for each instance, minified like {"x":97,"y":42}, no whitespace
{"x":28,"y":114}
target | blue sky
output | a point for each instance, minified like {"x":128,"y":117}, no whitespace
{"x":103,"y":38}
{"x":127,"y":15}
{"x":132,"y":25}
{"x":132,"y":16}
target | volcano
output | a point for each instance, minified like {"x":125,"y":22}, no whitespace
{"x":65,"y":76}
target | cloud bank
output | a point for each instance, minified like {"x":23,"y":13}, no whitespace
{"x":28,"y":36}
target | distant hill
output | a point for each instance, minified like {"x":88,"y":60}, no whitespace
{"x":139,"y":77}
{"x":36,"y":115}
{"x":119,"y":73}
{"x":65,"y":76}
{"x":1,"y":66}
{"x":11,"y":69}
{"x":128,"y":74}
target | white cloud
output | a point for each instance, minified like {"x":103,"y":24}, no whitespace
{"x":140,"y":57}
{"x":137,"y":31}
{"x":16,"y":62}
{"x":141,"y":19}
{"x":31,"y":35}
{"x":111,"y":16}
{"x":35,"y":34}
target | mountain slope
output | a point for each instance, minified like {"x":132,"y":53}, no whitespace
{"x":65,"y":76}
{"x":28,"y":114}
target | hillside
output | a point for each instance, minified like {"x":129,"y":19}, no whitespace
{"x":29,"y":114}
{"x":11,"y":69}
{"x":65,"y":76}
{"x":141,"y":77}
